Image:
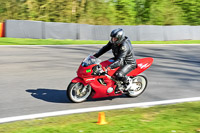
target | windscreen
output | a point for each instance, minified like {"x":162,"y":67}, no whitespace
{"x":90,"y":60}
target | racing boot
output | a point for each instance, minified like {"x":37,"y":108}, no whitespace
{"x":119,"y":89}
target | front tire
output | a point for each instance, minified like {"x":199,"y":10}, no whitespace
{"x":77,"y":92}
{"x":139,"y":85}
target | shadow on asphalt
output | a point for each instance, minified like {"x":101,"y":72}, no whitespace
{"x":59,"y":96}
{"x":49,"y":95}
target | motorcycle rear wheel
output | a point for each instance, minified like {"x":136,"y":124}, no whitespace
{"x":77,"y":92}
{"x":139,"y":86}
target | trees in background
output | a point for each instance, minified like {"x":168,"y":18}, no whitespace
{"x":104,"y":12}
{"x":165,"y":12}
{"x":191,"y":11}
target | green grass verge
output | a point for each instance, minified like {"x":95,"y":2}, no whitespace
{"x":22,"y":41}
{"x":26,"y":41}
{"x":180,"y":118}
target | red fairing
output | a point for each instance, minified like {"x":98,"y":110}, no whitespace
{"x":101,"y":90}
{"x":85,"y":72}
{"x":142,"y":65}
{"x":85,"y":76}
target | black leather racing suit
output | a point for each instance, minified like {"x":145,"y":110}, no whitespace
{"x":123,"y":57}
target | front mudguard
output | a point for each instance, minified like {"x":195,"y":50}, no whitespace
{"x":77,"y":80}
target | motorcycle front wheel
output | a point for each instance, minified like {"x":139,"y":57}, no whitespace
{"x":77,"y":92}
{"x":139,"y":84}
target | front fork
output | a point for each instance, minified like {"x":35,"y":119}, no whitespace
{"x":84,"y":88}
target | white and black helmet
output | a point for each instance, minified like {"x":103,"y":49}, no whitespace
{"x":119,"y":34}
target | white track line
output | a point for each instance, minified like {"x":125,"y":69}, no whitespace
{"x":83,"y":110}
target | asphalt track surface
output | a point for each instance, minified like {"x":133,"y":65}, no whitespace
{"x":33,"y":79}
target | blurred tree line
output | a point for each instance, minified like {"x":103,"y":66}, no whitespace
{"x":104,"y":12}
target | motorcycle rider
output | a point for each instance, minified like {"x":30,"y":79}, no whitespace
{"x":123,"y":55}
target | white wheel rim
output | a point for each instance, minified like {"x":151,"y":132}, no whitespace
{"x":138,"y":86}
{"x":76,"y":94}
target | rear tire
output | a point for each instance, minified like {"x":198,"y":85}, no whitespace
{"x":77,"y":92}
{"x":138,"y":87}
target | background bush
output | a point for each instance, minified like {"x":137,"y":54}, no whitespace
{"x":104,"y":12}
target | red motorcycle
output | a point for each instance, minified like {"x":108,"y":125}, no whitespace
{"x":92,"y":80}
